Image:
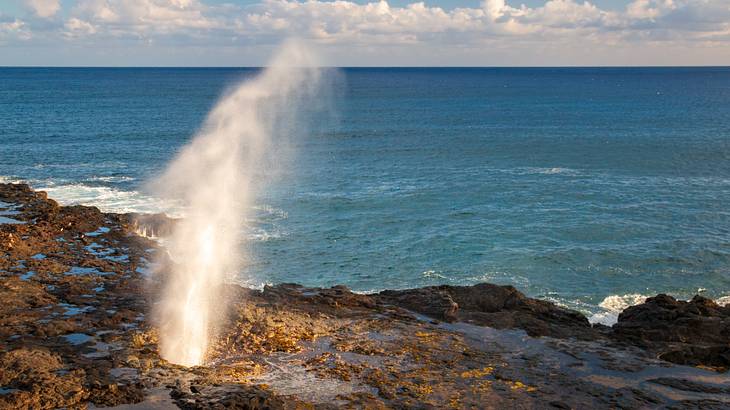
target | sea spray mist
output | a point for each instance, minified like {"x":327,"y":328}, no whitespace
{"x":217,"y":176}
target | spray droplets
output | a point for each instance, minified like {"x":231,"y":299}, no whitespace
{"x":217,"y":176}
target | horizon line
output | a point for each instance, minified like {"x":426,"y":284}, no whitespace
{"x":371,"y":67}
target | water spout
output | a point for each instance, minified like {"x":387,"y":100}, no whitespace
{"x":217,"y":176}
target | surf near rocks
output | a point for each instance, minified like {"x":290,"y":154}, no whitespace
{"x":74,"y":325}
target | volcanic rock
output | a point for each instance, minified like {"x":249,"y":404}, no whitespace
{"x":692,"y":333}
{"x":501,"y":307}
{"x":78,"y":286}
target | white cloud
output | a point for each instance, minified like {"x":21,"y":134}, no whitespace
{"x":492,"y":26}
{"x":342,"y":21}
{"x":16,"y":29}
{"x":164,"y":16}
{"x":348,"y":21}
{"x":567,"y":14}
{"x":494,"y":8}
{"x":11,"y":26}
{"x":76,"y":27}
{"x":649,"y":9}
{"x":44,"y":8}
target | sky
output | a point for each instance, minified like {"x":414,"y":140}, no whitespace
{"x":366,"y":32}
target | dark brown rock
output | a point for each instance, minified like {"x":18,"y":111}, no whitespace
{"x":716,"y":356}
{"x":35,"y":381}
{"x":68,"y":340}
{"x":113,"y":394}
{"x":693,"y":333}
{"x":689,"y":385}
{"x":501,"y":307}
{"x":432,"y":302}
{"x":151,"y":225}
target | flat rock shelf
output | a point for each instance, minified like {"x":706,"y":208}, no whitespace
{"x":77,"y":289}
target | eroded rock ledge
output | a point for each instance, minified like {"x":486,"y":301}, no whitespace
{"x":76,"y":289}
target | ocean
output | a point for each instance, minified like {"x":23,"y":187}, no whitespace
{"x":589,"y":187}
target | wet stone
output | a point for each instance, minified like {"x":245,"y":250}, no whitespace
{"x":78,"y":288}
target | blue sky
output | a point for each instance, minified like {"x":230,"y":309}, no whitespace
{"x":366,"y":32}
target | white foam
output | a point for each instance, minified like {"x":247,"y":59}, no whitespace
{"x":556,"y":170}
{"x":9,"y":180}
{"x":120,"y":201}
{"x":604,"y":318}
{"x":619,"y":303}
{"x":271,"y":212}
{"x":433,"y":274}
{"x":613,"y":305}
{"x":723,"y":301}
{"x":119,"y":178}
{"x":251,"y":283}
{"x":110,"y":199}
{"x":540,"y":170}
{"x":263,"y":235}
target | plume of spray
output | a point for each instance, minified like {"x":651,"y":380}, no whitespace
{"x":217,"y":176}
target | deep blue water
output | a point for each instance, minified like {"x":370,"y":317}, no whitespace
{"x":571,"y":184}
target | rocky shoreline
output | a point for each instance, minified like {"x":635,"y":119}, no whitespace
{"x":76,"y":291}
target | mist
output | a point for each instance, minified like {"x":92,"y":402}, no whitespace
{"x":244,"y":143}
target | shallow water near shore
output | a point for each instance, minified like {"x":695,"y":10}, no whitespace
{"x":587,"y":187}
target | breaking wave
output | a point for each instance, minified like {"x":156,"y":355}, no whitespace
{"x":613,"y":305}
{"x":110,"y":199}
{"x":114,"y":200}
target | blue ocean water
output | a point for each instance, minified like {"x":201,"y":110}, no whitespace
{"x":587,"y":186}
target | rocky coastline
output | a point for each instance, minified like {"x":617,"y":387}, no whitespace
{"x":77,"y":289}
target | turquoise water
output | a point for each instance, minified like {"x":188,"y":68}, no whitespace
{"x":583,"y":186}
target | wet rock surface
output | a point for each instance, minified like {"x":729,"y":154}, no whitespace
{"x":694,"y":333}
{"x":77,"y":289}
{"x":501,"y":307}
